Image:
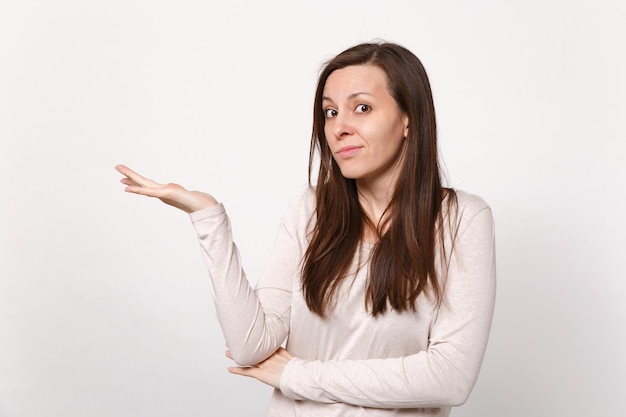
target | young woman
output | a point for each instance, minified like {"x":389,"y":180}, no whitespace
{"x":381,"y":284}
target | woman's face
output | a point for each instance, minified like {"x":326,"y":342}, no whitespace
{"x":364,"y":126}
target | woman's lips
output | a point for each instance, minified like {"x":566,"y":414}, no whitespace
{"x":348,"y":151}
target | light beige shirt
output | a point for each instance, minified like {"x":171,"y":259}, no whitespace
{"x":351,"y":364}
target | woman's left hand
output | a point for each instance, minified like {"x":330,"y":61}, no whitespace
{"x":268,"y":371}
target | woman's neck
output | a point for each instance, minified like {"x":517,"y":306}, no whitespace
{"x":375,"y":205}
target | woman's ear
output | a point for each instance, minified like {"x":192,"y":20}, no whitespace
{"x":405,"y":120}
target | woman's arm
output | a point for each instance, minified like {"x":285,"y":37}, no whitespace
{"x":254,"y":322}
{"x":442,"y":375}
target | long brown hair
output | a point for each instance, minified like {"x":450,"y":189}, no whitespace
{"x":402,"y":265}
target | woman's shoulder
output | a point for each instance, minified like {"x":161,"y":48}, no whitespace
{"x":470,"y":200}
{"x":465,"y":204}
{"x":304,"y":201}
{"x":301,"y":208}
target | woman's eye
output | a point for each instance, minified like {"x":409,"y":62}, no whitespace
{"x":330,"y":113}
{"x":363,"y":108}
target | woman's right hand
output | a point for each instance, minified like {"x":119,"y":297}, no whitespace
{"x":173,"y":194}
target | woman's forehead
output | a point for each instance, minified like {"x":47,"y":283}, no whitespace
{"x":355,"y":79}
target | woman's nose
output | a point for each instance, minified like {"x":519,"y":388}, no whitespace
{"x":342,"y":126}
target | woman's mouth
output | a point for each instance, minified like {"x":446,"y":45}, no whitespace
{"x":348,"y":151}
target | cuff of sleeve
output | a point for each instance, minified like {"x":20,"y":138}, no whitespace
{"x":207,"y":213}
{"x":289,"y":379}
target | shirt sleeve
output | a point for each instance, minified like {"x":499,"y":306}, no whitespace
{"x":445,"y":373}
{"x":254,"y":322}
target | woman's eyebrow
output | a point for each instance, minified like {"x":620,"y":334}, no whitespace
{"x":351,"y":96}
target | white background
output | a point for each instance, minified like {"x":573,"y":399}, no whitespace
{"x":104,"y":301}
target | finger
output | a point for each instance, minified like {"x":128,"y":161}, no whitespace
{"x":158,"y":192}
{"x":128,"y":181}
{"x":242,"y":371}
{"x":134,"y":176}
{"x":124,"y":170}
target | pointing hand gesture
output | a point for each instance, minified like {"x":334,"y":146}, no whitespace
{"x":173,"y":194}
